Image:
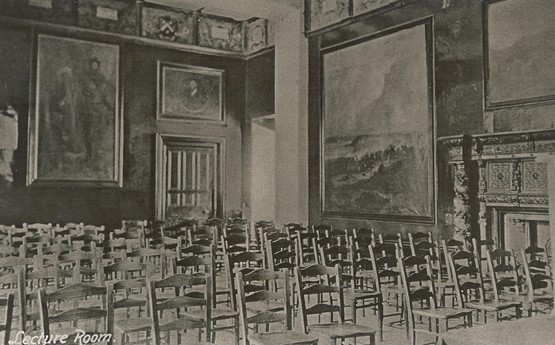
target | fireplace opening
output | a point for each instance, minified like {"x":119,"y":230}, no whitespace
{"x":518,"y":228}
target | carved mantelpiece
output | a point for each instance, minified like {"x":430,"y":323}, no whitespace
{"x":507,"y":172}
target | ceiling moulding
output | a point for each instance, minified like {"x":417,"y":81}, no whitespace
{"x":153,"y":22}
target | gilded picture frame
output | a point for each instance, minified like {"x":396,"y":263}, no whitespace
{"x":190,"y":93}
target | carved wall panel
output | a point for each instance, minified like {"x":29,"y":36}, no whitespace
{"x":500,"y":177}
{"x":327,"y":12}
{"x":220,"y":34}
{"x":167,"y":24}
{"x":534,"y":177}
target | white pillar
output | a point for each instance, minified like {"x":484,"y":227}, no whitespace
{"x":549,"y":159}
{"x":291,"y":56}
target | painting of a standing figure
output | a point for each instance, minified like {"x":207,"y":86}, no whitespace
{"x":76,"y":126}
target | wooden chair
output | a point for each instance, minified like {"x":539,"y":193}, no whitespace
{"x":305,"y":247}
{"x":444,"y":283}
{"x":165,"y":322}
{"x":421,"y":244}
{"x":128,"y":283}
{"x":37,"y":228}
{"x":137,"y":228}
{"x":13,"y":283}
{"x":363,"y":293}
{"x":333,"y":306}
{"x":502,"y":270}
{"x":280,"y":253}
{"x":204,"y":236}
{"x":196,"y":265}
{"x":157,"y":260}
{"x":387,"y":278}
{"x":245,"y":262}
{"x":321,"y":229}
{"x":6,"y":327}
{"x":260,"y":228}
{"x":419,"y":287}
{"x":539,"y":283}
{"x":469,"y":286}
{"x":271,"y":307}
{"x":76,"y":293}
{"x":49,"y":279}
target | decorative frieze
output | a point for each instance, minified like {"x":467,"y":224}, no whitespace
{"x":219,"y":34}
{"x":148,"y":20}
{"x":323,"y":13}
{"x":109,"y":15}
{"x":53,"y":11}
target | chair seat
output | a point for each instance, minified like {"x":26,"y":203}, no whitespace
{"x":443,"y":313}
{"x":282,"y":338}
{"x":361,"y":294}
{"x":490,"y":305}
{"x":217,"y":314}
{"x":264,"y":306}
{"x":365,"y":274}
{"x":548,"y":297}
{"x":346,"y":330}
{"x":133,"y":325}
{"x":445,"y":284}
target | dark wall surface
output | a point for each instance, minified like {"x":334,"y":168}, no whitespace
{"x":459,"y":97}
{"x":108,"y":206}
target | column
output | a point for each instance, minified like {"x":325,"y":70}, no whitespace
{"x":482,"y":189}
{"x":461,"y":206}
{"x":291,"y":120}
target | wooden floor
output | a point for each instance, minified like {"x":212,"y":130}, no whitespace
{"x":394,"y":332}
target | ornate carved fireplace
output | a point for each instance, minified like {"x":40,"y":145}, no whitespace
{"x":500,"y":174}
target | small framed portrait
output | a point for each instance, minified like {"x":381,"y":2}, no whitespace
{"x":190,"y":93}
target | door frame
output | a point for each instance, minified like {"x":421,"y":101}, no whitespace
{"x":162,"y":142}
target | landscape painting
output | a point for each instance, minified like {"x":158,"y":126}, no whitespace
{"x":75,"y":130}
{"x":520,"y":52}
{"x":377,"y":128}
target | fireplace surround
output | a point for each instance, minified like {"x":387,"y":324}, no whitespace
{"x":501,"y":176}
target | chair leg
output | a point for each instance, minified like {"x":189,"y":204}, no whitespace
{"x":354,"y":310}
{"x":380,"y":318}
{"x":236,"y":330}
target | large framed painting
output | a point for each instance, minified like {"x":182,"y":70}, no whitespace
{"x":190,"y":93}
{"x":377,"y":127}
{"x":519,"y":52}
{"x":75,"y":128}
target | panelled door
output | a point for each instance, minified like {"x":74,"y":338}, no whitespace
{"x":188,"y":176}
